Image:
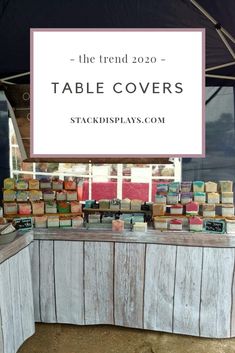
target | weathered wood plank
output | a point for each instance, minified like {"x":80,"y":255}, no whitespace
{"x":47,"y":288}
{"x":15,"y":297}
{"x":187,"y":291}
{"x":217,"y":277}
{"x":129,"y":284}
{"x":69,"y":282}
{"x":98,"y":275}
{"x":26,"y":293}
{"x":159,"y":287}
{"x":34,"y":256}
{"x":6,"y":308}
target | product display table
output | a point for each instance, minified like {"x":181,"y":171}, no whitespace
{"x":173,"y":282}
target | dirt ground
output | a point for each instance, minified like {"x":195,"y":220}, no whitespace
{"x":50,"y":338}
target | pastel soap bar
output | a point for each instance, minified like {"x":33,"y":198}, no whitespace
{"x":22,"y":195}
{"x":35,"y":195}
{"x":162,"y":188}
{"x":9,"y":195}
{"x":195,"y":224}
{"x":77,"y":222}
{"x":104,"y":204}
{"x":70,"y":185}
{"x":24,"y":208}
{"x":33,"y":184}
{"x":213,"y":197}
{"x":198,"y":186}
{"x":192,"y":208}
{"x":117,"y":225}
{"x":176,"y":209}
{"x":227,"y":197}
{"x":199,"y":197}
{"x":38,"y":207}
{"x":176,"y":224}
{"x":160,"y":199}
{"x":10,"y":208}
{"x":227,"y":210}
{"x":136,"y":205}
{"x":185,"y":197}
{"x":226,"y":186}
{"x":158,"y":209}
{"x":45,"y":183}
{"x":186,"y":186}
{"x":53,"y":221}
{"x":9,"y":183}
{"x":160,"y":223}
{"x":125,"y":204}
{"x":172,"y":198}
{"x":210,"y":186}
{"x":40,"y":222}
{"x":61,"y":195}
{"x":50,"y":207}
{"x":63,"y":207}
{"x":21,"y":184}
{"x":76,"y":207}
{"x":140,"y":227}
{"x":174,"y":186}
{"x":208,"y":210}
{"x":57,"y":184}
{"x":72,"y":195}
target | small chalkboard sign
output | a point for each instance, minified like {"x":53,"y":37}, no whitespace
{"x":215,"y":226}
{"x":23,"y":223}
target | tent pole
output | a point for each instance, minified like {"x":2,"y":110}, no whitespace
{"x":204,"y":12}
{"x":225,"y":42}
{"x":219,"y":66}
{"x":221,"y":76}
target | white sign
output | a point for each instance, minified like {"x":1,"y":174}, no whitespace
{"x":114,"y":93}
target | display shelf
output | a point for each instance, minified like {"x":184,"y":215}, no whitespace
{"x":93,"y":210}
{"x":10,"y":217}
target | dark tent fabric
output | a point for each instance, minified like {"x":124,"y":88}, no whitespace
{"x":16,"y":17}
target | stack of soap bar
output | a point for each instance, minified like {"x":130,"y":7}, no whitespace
{"x":230,"y":225}
{"x":9,"y":183}
{"x":208,"y":210}
{"x":176,"y":224}
{"x":186,"y":186}
{"x":9,"y":195}
{"x":38,"y":207}
{"x":140,"y":227}
{"x":174,"y":187}
{"x":61,"y":195}
{"x":162,"y":188}
{"x":192,"y":208}
{"x":198,"y":186}
{"x":63,"y":207}
{"x":117,"y":225}
{"x":226,"y":186}
{"x":195,"y":224}
{"x":199,"y":197}
{"x":70,"y":185}
{"x":72,"y":195}
{"x":10,"y":208}
{"x":35,"y":195}
{"x":77,"y":222}
{"x":33,"y":184}
{"x":125,"y":204}
{"x":227,"y":210}
{"x":57,"y":184}
{"x":45,"y":183}
{"x":115,"y":204}
{"x":40,"y":222}
{"x":210,"y":186}
{"x":136,"y":205}
{"x":53,"y":221}
{"x":50,"y":207}
{"x":22,"y":184}
{"x":65,"y":221}
{"x":160,"y":198}
{"x":94,"y":218}
{"x":158,"y":209}
{"x":185,"y":197}
{"x":160,"y":223}
{"x":172,"y":198}
{"x":104,"y":204}
{"x":227,"y":197}
{"x":24,"y":208}
{"x":176,"y":209}
{"x":76,"y":207}
{"x":48,"y":195}
{"x":213,"y":197}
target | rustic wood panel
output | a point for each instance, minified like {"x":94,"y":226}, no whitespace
{"x":6,"y":309}
{"x":34,"y":257}
{"x":149,"y":237}
{"x":217,"y":278}
{"x":232,"y":326}
{"x":98,"y":275}
{"x":15,"y":297}
{"x":69,"y":282}
{"x":47,"y":288}
{"x":129,"y":284}
{"x":26,"y":293}
{"x":187,"y":291}
{"x":159,"y":287}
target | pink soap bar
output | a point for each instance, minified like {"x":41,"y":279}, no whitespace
{"x":195,"y":220}
{"x":25,"y":208}
{"x":176,"y":221}
{"x":117,"y":225}
{"x":192,"y":207}
{"x":76,"y":207}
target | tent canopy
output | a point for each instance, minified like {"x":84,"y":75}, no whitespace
{"x":17,"y":17}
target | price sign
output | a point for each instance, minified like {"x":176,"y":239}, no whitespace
{"x":215,"y":226}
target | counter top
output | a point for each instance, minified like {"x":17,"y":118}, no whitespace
{"x":151,"y":237}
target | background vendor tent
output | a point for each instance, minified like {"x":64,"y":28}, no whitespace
{"x":218,"y":17}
